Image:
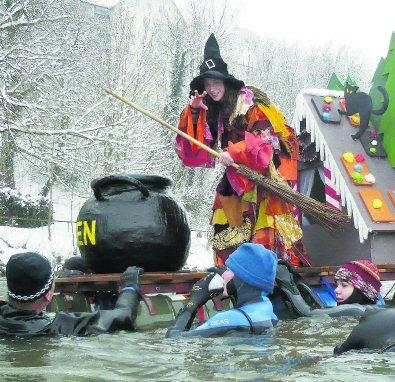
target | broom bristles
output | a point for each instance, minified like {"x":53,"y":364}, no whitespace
{"x":329,"y":218}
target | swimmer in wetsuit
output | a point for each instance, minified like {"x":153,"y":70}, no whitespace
{"x":248,"y":279}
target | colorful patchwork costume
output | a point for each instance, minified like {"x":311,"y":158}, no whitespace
{"x":255,"y":134}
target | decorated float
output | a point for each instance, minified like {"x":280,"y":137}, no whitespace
{"x":133,"y":220}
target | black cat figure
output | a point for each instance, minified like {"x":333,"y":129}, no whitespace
{"x":361,"y":103}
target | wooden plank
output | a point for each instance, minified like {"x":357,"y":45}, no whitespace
{"x":180,"y":277}
{"x":350,"y":170}
{"x":146,"y":278}
{"x":182,"y":282}
{"x":382,"y":214}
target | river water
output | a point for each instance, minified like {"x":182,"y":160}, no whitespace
{"x":299,"y":350}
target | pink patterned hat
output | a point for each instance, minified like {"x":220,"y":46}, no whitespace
{"x":363,"y":275}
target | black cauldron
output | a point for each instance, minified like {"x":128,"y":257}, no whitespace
{"x":132,"y":220}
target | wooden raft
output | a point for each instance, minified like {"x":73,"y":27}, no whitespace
{"x":181,"y":282}
{"x":154,"y":282}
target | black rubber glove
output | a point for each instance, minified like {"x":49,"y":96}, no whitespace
{"x":200,"y":293}
{"x":199,"y":296}
{"x":286,"y":276}
{"x":219,"y":269}
{"x":131,"y":277}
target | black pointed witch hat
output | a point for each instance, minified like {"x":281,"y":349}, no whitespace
{"x":214,"y":66}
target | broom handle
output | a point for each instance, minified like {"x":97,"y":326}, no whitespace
{"x":165,"y":124}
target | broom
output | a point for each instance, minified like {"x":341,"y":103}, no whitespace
{"x":329,"y":218}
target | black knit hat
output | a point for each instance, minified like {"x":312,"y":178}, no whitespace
{"x":214,"y":66}
{"x":29,"y":276}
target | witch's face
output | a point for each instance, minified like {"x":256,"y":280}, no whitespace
{"x":215,"y":88}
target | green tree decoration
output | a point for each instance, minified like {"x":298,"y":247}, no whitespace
{"x":387,"y":125}
{"x":334,"y":83}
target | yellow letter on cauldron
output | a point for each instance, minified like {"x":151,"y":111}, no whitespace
{"x":90,"y":232}
{"x":86,"y":236}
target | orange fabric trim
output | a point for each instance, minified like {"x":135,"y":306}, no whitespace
{"x":199,"y":132}
{"x":277,"y":206}
{"x":267,"y":237}
{"x":232,"y":206}
{"x":218,"y":261}
{"x":183,"y":119}
{"x":238,"y":151}
{"x":288,"y":168}
{"x":293,"y":143}
{"x":255,"y":114}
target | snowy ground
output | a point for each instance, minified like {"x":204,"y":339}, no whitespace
{"x":62,"y":245}
{"x":58,"y":242}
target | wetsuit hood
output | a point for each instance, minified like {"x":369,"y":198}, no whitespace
{"x":242,"y":293}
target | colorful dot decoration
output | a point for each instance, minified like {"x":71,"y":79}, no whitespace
{"x":358,"y":168}
{"x":373,"y":150}
{"x":377,"y":203}
{"x":357,"y":177}
{"x":359,"y":158}
{"x":327,"y":107}
{"x":370,"y":178}
{"x":348,"y":157}
{"x":355,"y":119}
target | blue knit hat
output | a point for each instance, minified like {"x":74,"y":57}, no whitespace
{"x":255,"y":265}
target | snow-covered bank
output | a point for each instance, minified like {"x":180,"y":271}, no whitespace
{"x":14,"y":240}
{"x":61,"y":245}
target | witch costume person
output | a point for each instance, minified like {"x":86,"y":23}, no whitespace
{"x":241,"y":121}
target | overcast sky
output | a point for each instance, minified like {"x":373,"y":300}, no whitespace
{"x":361,"y":24}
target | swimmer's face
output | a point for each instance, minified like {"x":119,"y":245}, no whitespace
{"x":227,"y":276}
{"x":343,"y":290}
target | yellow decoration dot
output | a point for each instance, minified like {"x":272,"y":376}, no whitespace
{"x":348,"y":157}
{"x":377,"y":203}
{"x":328,"y":99}
{"x":355,"y":119}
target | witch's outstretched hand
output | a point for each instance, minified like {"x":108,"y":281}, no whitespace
{"x":196,"y":101}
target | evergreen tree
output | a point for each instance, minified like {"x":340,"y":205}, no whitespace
{"x":351,"y":81}
{"x":387,"y":126}
{"x":334,"y":83}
